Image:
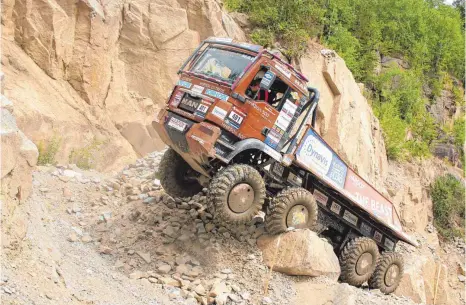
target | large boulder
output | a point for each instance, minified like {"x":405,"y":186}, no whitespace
{"x":424,"y":280}
{"x":300,"y":252}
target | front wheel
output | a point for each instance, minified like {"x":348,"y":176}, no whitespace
{"x":236,"y":194}
{"x":388,"y":273}
{"x":176,"y":176}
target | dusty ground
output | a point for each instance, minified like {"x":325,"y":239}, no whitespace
{"x":95,"y":239}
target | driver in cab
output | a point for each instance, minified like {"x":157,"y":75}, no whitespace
{"x":256,"y":92}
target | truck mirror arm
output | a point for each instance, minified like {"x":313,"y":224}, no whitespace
{"x":312,"y":104}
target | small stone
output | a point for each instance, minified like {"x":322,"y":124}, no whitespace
{"x":182,"y":269}
{"x":145,"y":281}
{"x":86,"y":238}
{"x":107,"y":216}
{"x":7,"y":290}
{"x":164,"y":269}
{"x":226,"y":271}
{"x":221,"y":299}
{"x":234,"y":297}
{"x":131,"y":252}
{"x":105,"y":250}
{"x":136,"y":275}
{"x":170,"y":282}
{"x":235,"y":288}
{"x":461,"y":278}
{"x":200,"y":290}
{"x":73,"y":237}
{"x":209,"y":227}
{"x":246,"y":295}
{"x":266,"y":300}
{"x":145,"y":256}
{"x":153,"y":280}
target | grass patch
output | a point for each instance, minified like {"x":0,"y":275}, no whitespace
{"x":48,"y":150}
{"x":448,"y":196}
{"x":85,"y":157}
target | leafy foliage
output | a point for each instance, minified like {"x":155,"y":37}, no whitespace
{"x":48,"y":149}
{"x":427,"y":35}
{"x":449,"y":211}
{"x":400,"y":106}
{"x":85,"y":157}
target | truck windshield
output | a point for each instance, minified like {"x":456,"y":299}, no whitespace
{"x":222,"y":64}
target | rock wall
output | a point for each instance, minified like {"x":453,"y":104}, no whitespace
{"x":18,"y":159}
{"x":92,"y":71}
{"x":345,"y":119}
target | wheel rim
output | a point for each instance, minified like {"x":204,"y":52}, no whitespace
{"x":364,"y":264}
{"x":391,"y":275}
{"x":241,"y":198}
{"x":297,"y":217}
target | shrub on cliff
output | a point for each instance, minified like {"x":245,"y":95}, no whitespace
{"x":448,"y":196}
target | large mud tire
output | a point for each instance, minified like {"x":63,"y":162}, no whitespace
{"x":358,"y":261}
{"x":388,"y":273}
{"x":223,"y":189}
{"x":173,"y":176}
{"x":288,"y":201}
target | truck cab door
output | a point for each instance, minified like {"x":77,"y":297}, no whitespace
{"x":273,"y":108}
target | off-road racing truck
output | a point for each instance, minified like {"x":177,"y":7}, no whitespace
{"x":240,"y":121}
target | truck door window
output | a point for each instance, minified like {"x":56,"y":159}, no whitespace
{"x":274,"y":96}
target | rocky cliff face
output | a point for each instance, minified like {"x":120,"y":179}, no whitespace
{"x":92,"y":71}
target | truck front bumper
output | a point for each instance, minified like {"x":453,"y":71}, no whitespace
{"x":192,"y":140}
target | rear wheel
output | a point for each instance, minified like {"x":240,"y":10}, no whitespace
{"x":236,"y":194}
{"x":388,"y":273}
{"x":176,"y":176}
{"x":292,"y":208}
{"x":358,"y":260}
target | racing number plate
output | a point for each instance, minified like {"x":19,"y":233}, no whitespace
{"x":177,"y":124}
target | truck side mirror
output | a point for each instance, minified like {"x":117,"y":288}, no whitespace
{"x":267,"y":80}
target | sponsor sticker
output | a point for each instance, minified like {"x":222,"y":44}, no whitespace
{"x":283,"y":70}
{"x":378,"y":236}
{"x":350,"y":217}
{"x":177,"y":124}
{"x":389,"y":243}
{"x":177,"y":99}
{"x":320,"y":197}
{"x":283,"y":121}
{"x":366,"y":229}
{"x":197,"y":89}
{"x":202,"y":109}
{"x":289,"y":108}
{"x":235,"y":119}
{"x":273,"y":137}
{"x":316,"y":155}
{"x":183,"y":83}
{"x":267,"y":80}
{"x":219,"y":112}
{"x":216,"y":94}
{"x":335,"y":208}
